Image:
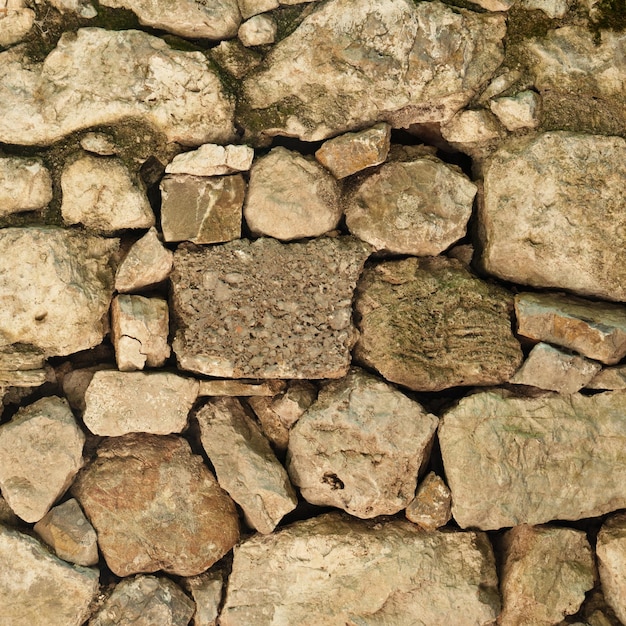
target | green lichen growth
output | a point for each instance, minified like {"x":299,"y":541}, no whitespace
{"x":611,"y":15}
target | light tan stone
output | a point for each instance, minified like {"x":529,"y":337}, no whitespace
{"x":83,"y":8}
{"x":98,"y":143}
{"x":212,"y":160}
{"x":23,"y":378}
{"x":240,"y":388}
{"x":611,"y":553}
{"x":611,"y":378}
{"x":471,"y":127}
{"x":431,"y":507}
{"x":206,"y":591}
{"x":494,"y":5}
{"x":15,"y":24}
{"x":519,"y":111}
{"x":249,"y":8}
{"x":25,"y":185}
{"x":259,"y":30}
{"x":552,"y":8}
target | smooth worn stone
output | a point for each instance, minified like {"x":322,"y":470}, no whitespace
{"x":98,"y":143}
{"x":429,"y":324}
{"x":15,"y":23}
{"x":206,"y":591}
{"x":471,"y":127}
{"x":147,"y":263}
{"x":118,"y":403}
{"x":235,"y":58}
{"x":355,"y":572}
{"x":519,"y":111}
{"x":38,"y":589}
{"x":547,"y":367}
{"x":68,"y":532}
{"x":263,"y":309}
{"x":419,"y":207}
{"x":249,"y":8}
{"x":611,"y":378}
{"x":41,"y":450}
{"x":25,"y":185}
{"x":175,"y":517}
{"x":431,"y":507}
{"x":611,"y":553}
{"x":595,"y":329}
{"x":100,"y":194}
{"x":240,"y":388}
{"x":202,"y":209}
{"x":360,"y":446}
{"x":83,"y":8}
{"x":511,"y":460}
{"x":351,"y":64}
{"x":80,"y":85}
{"x":543,"y":221}
{"x":353,"y":152}
{"x":291,"y":197}
{"x":245,"y":464}
{"x":212,"y":160}
{"x":259,"y":30}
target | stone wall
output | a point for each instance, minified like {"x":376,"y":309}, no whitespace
{"x":312,"y":313}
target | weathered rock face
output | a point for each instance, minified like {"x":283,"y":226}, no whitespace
{"x":515,"y":460}
{"x":175,"y":516}
{"x":15,"y":23}
{"x":609,"y":378}
{"x":212,"y":160}
{"x":360,"y":446}
{"x":25,"y":185}
{"x":258,"y":31}
{"x":430,"y":509}
{"x":351,"y":64}
{"x":79,"y":85}
{"x":350,"y":571}
{"x":547,"y":202}
{"x":519,"y":111}
{"x":611,"y":551}
{"x":266,"y":310}
{"x":206,"y":591}
{"x":429,"y":324}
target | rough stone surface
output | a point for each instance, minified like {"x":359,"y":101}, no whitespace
{"x":597,"y":330}
{"x":206,"y":591}
{"x":75,"y":383}
{"x":25,"y":185}
{"x":68,"y":532}
{"x":546,"y":205}
{"x":55,"y":289}
{"x":431,"y":507}
{"x":175,"y":516}
{"x":100,"y":194}
{"x":494,"y":5}
{"x":355,"y":572}
{"x":429,"y":324}
{"x":519,"y":111}
{"x":79,"y":85}
{"x":118,"y":403}
{"x":258,"y":31}
{"x":545,"y":574}
{"x":235,"y":58}
{"x":611,"y":552}
{"x":240,"y":388}
{"x":351,"y":64}
{"x":267,"y":310}
{"x":40,"y":452}
{"x":552,"y":8}
{"x":418,"y":207}
{"x":471,"y":128}
{"x":37,"y":589}
{"x":212,"y":160}
{"x":82,"y":8}
{"x":245,"y":464}
{"x":291,"y":197}
{"x":249,"y":8}
{"x":7,"y":517}
{"x":98,"y":143}
{"x":513,"y":461}
{"x":202,"y":209}
{"x":15,"y":23}
{"x":611,"y":378}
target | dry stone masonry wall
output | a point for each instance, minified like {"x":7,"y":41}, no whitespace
{"x":312,"y":313}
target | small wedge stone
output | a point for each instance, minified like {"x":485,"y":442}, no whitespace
{"x":611,"y":378}
{"x":431,"y":507}
{"x":471,"y":127}
{"x":259,"y":30}
{"x":611,"y":552}
{"x":206,"y":591}
{"x":212,"y":160}
{"x":519,"y":111}
{"x":25,"y":185}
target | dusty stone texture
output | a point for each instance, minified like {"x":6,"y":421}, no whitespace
{"x":118,"y":403}
{"x":547,"y":200}
{"x":15,"y":23}
{"x":505,"y":79}
{"x":258,"y":31}
{"x":68,"y":532}
{"x":202,"y":209}
{"x":611,"y":553}
{"x":206,"y":591}
{"x":174,"y":517}
{"x":98,"y":143}
{"x":79,"y":85}
{"x":264,"y":309}
{"x":240,"y":388}
{"x":611,"y":378}
{"x":212,"y":160}
{"x":25,"y":185}
{"x":147,"y":263}
{"x":291,"y":197}
{"x":549,"y":368}
{"x":145,"y":601}
{"x":55,"y":289}
{"x":545,"y":574}
{"x":552,"y":8}
{"x":235,"y":58}
{"x":351,"y":64}
{"x":41,"y":449}
{"x":7,"y":517}
{"x":83,"y":8}
{"x":100,"y":194}
{"x":360,"y":446}
{"x":470,"y":128}
{"x":245,"y":464}
{"x":355,"y":572}
{"x":419,"y":207}
{"x":139,"y":329}
{"x":429,"y":324}
{"x":75,"y":383}
{"x":38,"y":589}
{"x":519,"y":111}
{"x":494,"y":5}
{"x":249,"y":8}
{"x":513,"y":461}
{"x":23,"y":378}
{"x":431,"y":507}
{"x":595,"y":329}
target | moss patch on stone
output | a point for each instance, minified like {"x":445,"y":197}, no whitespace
{"x":611,"y":14}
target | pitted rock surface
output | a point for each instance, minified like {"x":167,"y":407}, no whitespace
{"x":25,"y":185}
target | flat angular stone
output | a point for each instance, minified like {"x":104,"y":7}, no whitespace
{"x":175,"y":517}
{"x":552,"y":8}
{"x":471,"y":128}
{"x":291,"y":197}
{"x":240,"y":388}
{"x":206,"y":591}
{"x":220,"y":300}
{"x":23,"y":378}
{"x":98,"y":143}
{"x":202,"y":209}
{"x":118,"y":403}
{"x":431,"y":507}
{"x":360,"y":446}
{"x":249,"y":8}
{"x":82,"y":8}
{"x":75,"y":383}
{"x":596,"y":330}
{"x":513,"y":461}
{"x":519,"y":111}
{"x":259,"y":30}
{"x":611,"y":378}
{"x":15,"y":23}
{"x":212,"y":160}
{"x":429,"y":324}
{"x":245,"y":464}
{"x":419,"y":207}
{"x":546,"y":205}
{"x":494,"y":5}
{"x":55,"y":289}
{"x":355,"y":572}
{"x":38,"y":589}
{"x":611,"y":552}
{"x":41,"y":450}
{"x":25,"y":185}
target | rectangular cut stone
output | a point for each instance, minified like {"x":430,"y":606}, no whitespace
{"x":513,"y":460}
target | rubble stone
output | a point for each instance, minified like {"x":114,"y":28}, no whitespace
{"x":82,"y":8}
{"x":240,"y":388}
{"x":98,"y":143}
{"x":552,"y":8}
{"x":611,"y":553}
{"x":206,"y":591}
{"x":212,"y":160}
{"x":611,"y":378}
{"x":25,"y":185}
{"x":431,"y":507}
{"x":519,"y":111}
{"x":15,"y":23}
{"x":471,"y":127}
{"x":249,"y":8}
{"x":235,"y":58}
{"x":258,"y":31}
